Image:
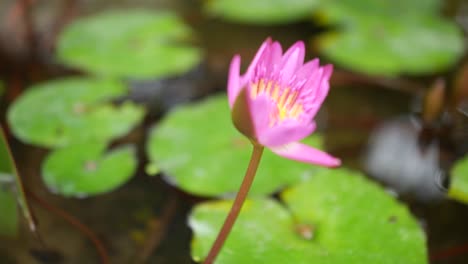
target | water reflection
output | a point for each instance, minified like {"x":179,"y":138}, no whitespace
{"x":397,"y":157}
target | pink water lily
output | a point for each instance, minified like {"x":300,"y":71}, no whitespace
{"x":275,"y":101}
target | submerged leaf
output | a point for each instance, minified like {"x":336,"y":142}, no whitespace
{"x":337,"y":216}
{"x":84,"y":169}
{"x":9,"y":174}
{"x":129,"y":43}
{"x":9,"y":213}
{"x":202,"y":153}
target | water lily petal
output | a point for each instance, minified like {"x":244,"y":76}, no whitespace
{"x":286,"y":132}
{"x":251,"y":116}
{"x":276,"y":53}
{"x":234,"y":85}
{"x":268,"y":62}
{"x":307,"y":69}
{"x":322,"y":91}
{"x":260,"y":109}
{"x":304,"y":153}
{"x":292,"y":60}
{"x":259,"y":56}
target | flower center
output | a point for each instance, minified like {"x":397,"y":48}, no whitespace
{"x":288,"y":105}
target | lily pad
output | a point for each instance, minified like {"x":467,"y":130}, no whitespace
{"x":202,"y":153}
{"x":342,"y":11}
{"x":335,"y":217}
{"x":129,"y":43}
{"x":459,"y":181}
{"x":393,"y":45}
{"x":9,"y":215}
{"x":84,"y":169}
{"x":61,"y":112}
{"x":390,"y":37}
{"x":261,"y":11}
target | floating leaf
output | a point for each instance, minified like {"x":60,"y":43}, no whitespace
{"x":390,"y":37}
{"x":9,"y":174}
{"x":381,"y":45}
{"x":83,"y":169}
{"x":60,"y":112}
{"x":459,"y":182}
{"x":9,"y":213}
{"x":345,"y":11}
{"x":129,"y":43}
{"x":335,"y":217}
{"x":202,"y":153}
{"x":261,"y":11}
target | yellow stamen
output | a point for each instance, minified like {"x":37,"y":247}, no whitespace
{"x":296,"y":110}
{"x":253,"y":90}
{"x":261,"y":86}
{"x":283,"y":97}
{"x":290,"y":99}
{"x":275,"y":93}
{"x":268,"y":87}
{"x":287,"y":106}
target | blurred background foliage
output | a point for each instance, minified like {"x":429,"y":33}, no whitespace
{"x":93,"y":95}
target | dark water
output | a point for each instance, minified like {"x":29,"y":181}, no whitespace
{"x":354,"y":114}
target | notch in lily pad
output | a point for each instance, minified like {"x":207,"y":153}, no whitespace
{"x":458,"y":189}
{"x":65,"y":111}
{"x":199,"y":150}
{"x":137,"y":44}
{"x":337,"y":216}
{"x":263,"y":12}
{"x":86,"y":169}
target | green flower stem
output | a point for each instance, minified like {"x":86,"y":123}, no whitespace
{"x":237,"y":205}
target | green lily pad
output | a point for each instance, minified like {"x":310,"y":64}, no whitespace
{"x":61,"y":112}
{"x":335,"y":217}
{"x":202,"y":153}
{"x":342,"y":11}
{"x":389,"y":46}
{"x":459,"y":181}
{"x":84,"y":169}
{"x":390,"y":37}
{"x":129,"y":43}
{"x":9,"y":215}
{"x":261,"y":11}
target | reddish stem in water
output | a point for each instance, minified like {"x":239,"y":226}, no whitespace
{"x":450,"y":252}
{"x":75,"y":223}
{"x":237,"y":205}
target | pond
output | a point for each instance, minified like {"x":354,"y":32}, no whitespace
{"x":394,"y":113}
